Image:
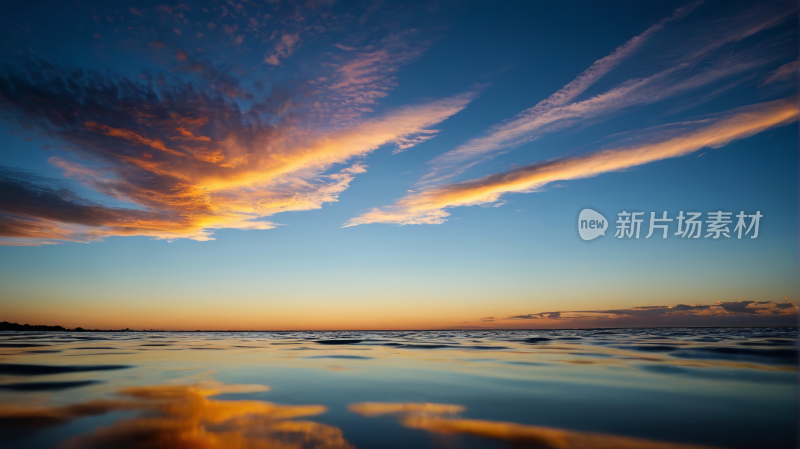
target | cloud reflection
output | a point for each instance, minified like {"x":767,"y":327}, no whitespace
{"x":427,"y":416}
{"x":183,"y":416}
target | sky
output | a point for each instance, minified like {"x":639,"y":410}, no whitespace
{"x":273,"y":165}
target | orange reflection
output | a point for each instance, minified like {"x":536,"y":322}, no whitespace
{"x":426,"y":416}
{"x":371,"y":409}
{"x":182,"y":416}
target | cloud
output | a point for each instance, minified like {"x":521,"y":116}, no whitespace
{"x":739,"y":307}
{"x":359,"y":80}
{"x":684,"y":307}
{"x":783,"y":73}
{"x":700,"y":66}
{"x":651,"y":310}
{"x":534,"y":316}
{"x":761,"y":313}
{"x":529,"y":316}
{"x":372,"y":8}
{"x":27,"y":243}
{"x":186,"y":160}
{"x":217,"y":79}
{"x":283,"y":49}
{"x":429,"y":205}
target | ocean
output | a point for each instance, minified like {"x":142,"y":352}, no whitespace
{"x":601,"y":388}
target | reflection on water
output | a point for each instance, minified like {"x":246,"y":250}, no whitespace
{"x":647,"y":388}
{"x":182,"y":416}
{"x":429,"y":417}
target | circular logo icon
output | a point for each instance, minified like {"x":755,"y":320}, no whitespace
{"x":591,"y":224}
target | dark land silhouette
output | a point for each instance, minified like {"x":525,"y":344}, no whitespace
{"x":6,"y":326}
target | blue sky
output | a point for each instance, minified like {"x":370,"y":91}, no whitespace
{"x":265,"y":165}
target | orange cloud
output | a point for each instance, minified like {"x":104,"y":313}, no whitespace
{"x":429,"y":206}
{"x":131,"y":136}
{"x":188,"y":162}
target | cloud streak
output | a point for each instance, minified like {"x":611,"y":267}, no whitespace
{"x":430,"y":206}
{"x":700,"y":67}
{"x":783,"y":73}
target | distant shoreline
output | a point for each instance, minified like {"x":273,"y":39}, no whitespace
{"x":14,"y":327}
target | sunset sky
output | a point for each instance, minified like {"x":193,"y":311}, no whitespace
{"x":278,"y":165}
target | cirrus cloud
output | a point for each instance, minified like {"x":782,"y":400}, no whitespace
{"x":429,"y":206}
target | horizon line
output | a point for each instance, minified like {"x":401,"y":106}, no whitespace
{"x":382,"y":330}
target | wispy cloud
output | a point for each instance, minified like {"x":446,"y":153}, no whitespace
{"x":429,"y":205}
{"x":785,"y":72}
{"x":360,"y":76}
{"x":700,"y":66}
{"x":27,"y":243}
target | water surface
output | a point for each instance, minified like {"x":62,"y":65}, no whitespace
{"x":643,"y":388}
